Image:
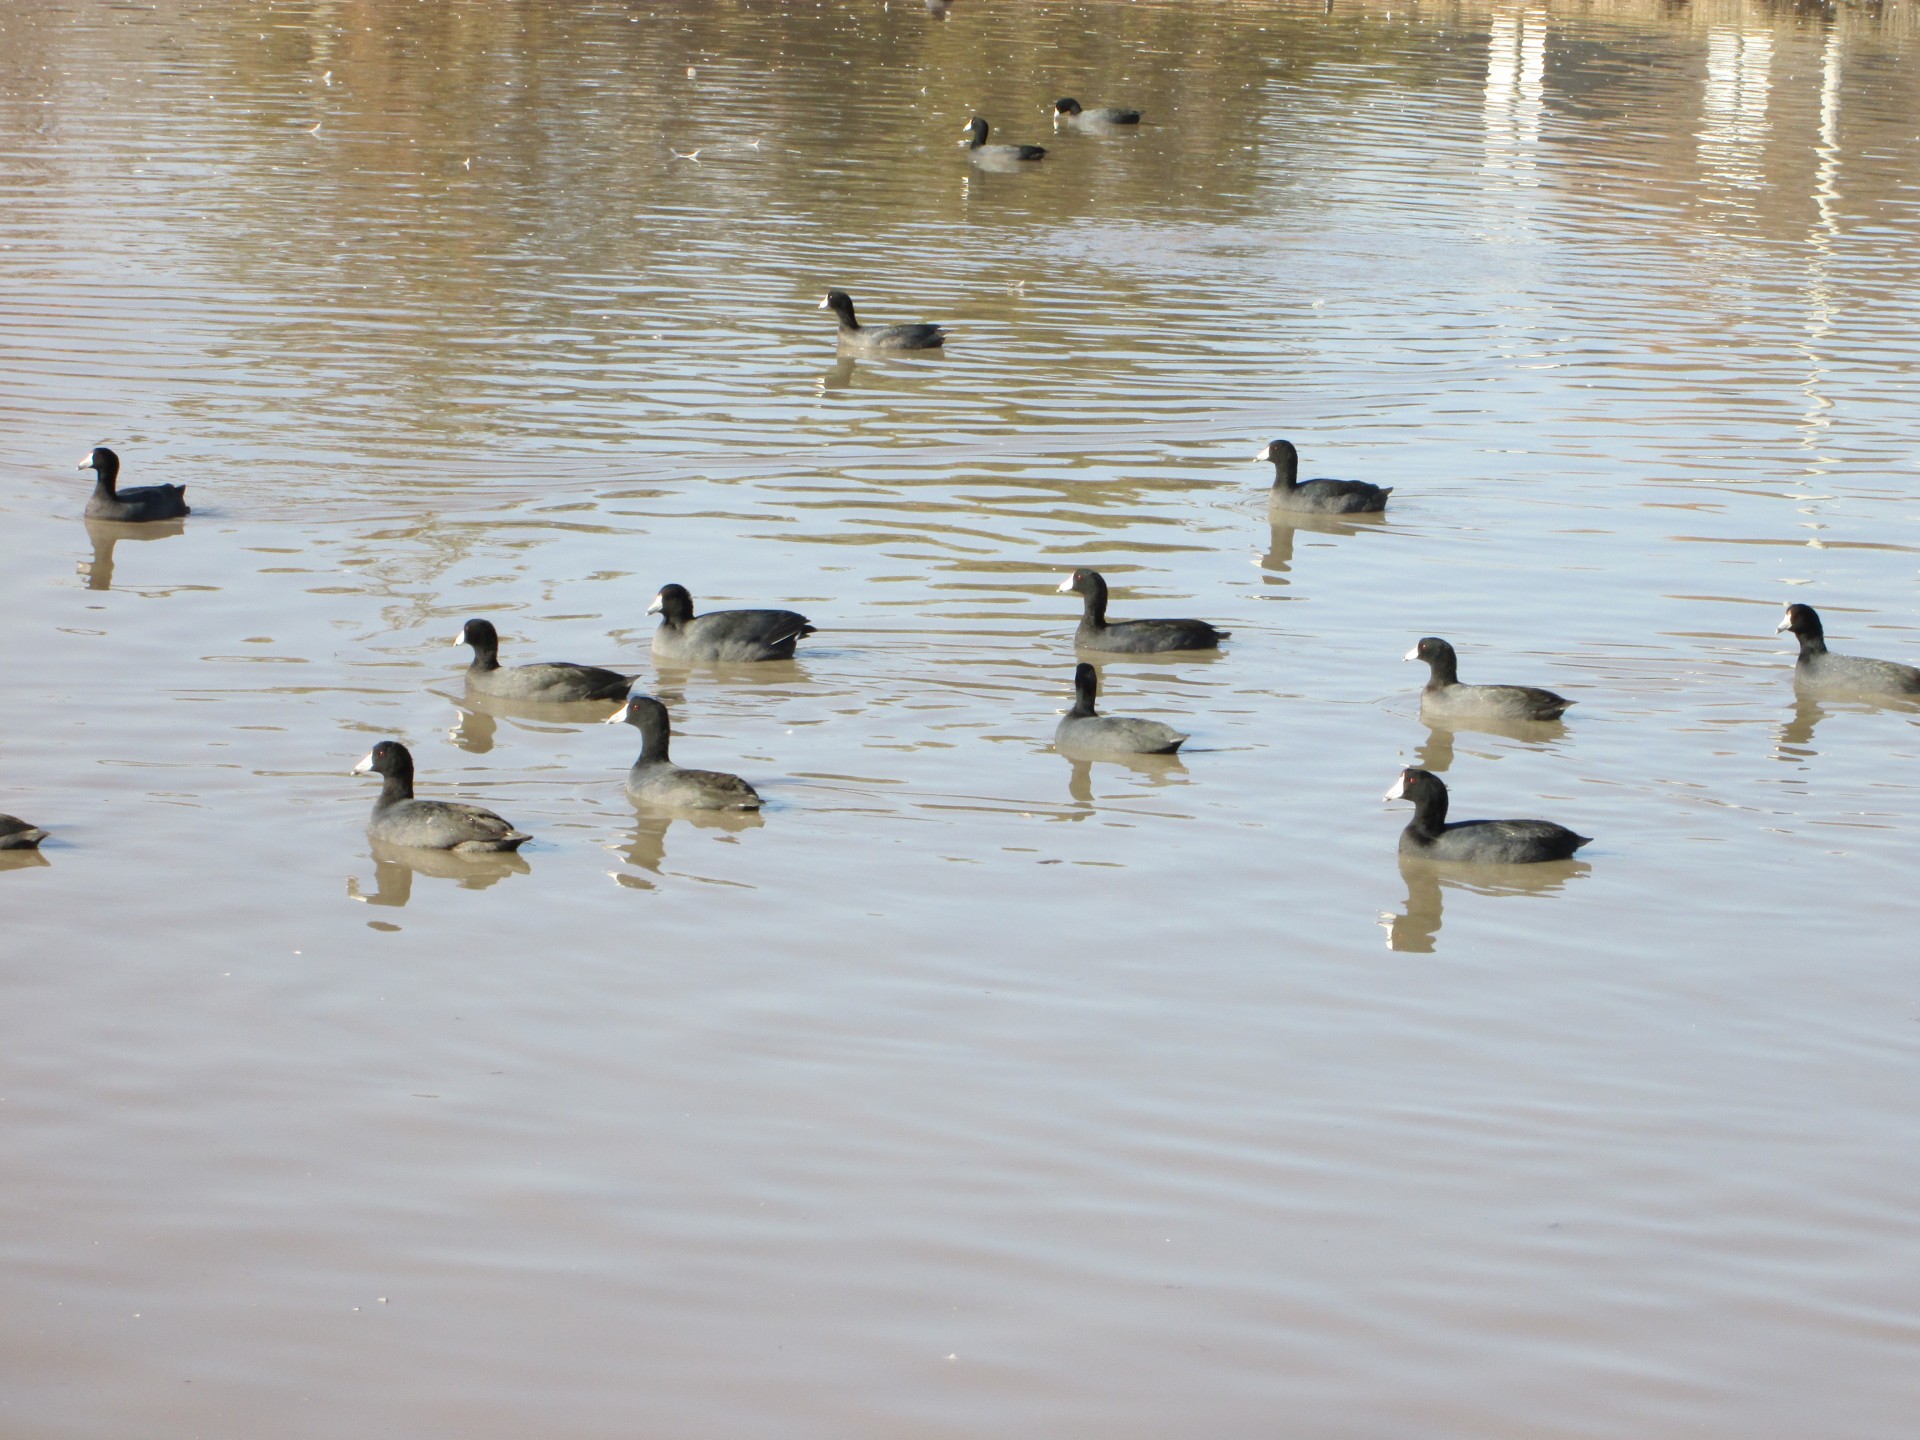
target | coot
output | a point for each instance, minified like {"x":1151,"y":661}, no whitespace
{"x":556,"y":681}
{"x":17,"y":834}
{"x":976,"y":143}
{"x":1492,"y":842}
{"x":144,"y":502}
{"x":1323,"y":497}
{"x":855,"y":336}
{"x":1820,"y":670}
{"x":1069,"y":111}
{"x":1092,"y":736}
{"x":722,"y":635}
{"x":1131,"y":637}
{"x":399,"y":819}
{"x":1445,"y":698}
{"x":656,"y":780}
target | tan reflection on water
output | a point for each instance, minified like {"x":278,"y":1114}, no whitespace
{"x":966,"y":1090}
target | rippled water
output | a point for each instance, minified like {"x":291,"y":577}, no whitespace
{"x":967,"y":1091}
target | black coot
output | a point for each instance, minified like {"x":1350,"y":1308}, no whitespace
{"x":1821,"y":671}
{"x":1320,"y":497}
{"x":17,"y":834}
{"x":855,"y":336}
{"x":722,"y":635}
{"x":399,"y":819}
{"x":145,"y":502}
{"x":976,"y":143}
{"x":1131,"y":637}
{"x":556,"y":682}
{"x":1094,"y":736}
{"x":1445,"y":698}
{"x":1069,"y":111}
{"x":656,"y":780}
{"x":1490,"y":842}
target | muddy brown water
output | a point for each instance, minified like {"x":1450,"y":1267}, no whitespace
{"x":967,"y":1091}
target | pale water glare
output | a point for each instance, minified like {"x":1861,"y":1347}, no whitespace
{"x":966,"y":1091}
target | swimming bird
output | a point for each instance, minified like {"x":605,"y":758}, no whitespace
{"x":921,"y":335}
{"x":555,"y":682}
{"x":1445,"y":698}
{"x":656,"y":780}
{"x":1324,"y":497}
{"x":1093,"y":736}
{"x":1069,"y":111}
{"x":1494,"y":842}
{"x":144,"y":502}
{"x":1819,"y":669}
{"x":399,"y":819}
{"x":17,"y":834}
{"x":722,"y":635}
{"x":1134,"y":637}
{"x":976,"y":142}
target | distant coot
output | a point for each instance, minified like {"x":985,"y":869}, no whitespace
{"x":855,"y":336}
{"x":1086,"y":734}
{"x":976,"y":143}
{"x":1821,"y":671}
{"x":1069,"y":111}
{"x":399,"y":819}
{"x":17,"y":834}
{"x":1320,"y":497}
{"x":656,"y":780}
{"x":1492,"y":842}
{"x":555,"y":682}
{"x":145,"y":502}
{"x":1131,"y":637}
{"x":722,"y":635}
{"x":1445,"y":698}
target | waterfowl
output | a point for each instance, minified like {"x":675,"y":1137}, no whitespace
{"x":921,"y":335}
{"x":1132,"y":637}
{"x":17,"y":834}
{"x":399,"y":819}
{"x":1492,"y":842}
{"x":1821,"y":671}
{"x":1087,"y":734}
{"x":722,"y":635}
{"x":143,"y":502}
{"x":656,"y":780}
{"x":1445,"y":698}
{"x":555,"y":681}
{"x":983,"y":153}
{"x":1323,"y":497}
{"x":1068,"y":111}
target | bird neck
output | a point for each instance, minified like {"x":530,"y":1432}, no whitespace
{"x":1812,"y":644}
{"x":397,"y":786}
{"x":1093,"y":605}
{"x":1082,"y":703}
{"x":655,"y":736}
{"x":1443,"y":670}
{"x":1429,"y":811}
{"x":1286,"y":471}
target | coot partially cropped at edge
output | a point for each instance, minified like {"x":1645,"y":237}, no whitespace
{"x":1490,"y":842}
{"x":722,"y":635}
{"x":1820,"y":670}
{"x":1320,"y":497}
{"x":656,"y":780}
{"x":1093,"y":736}
{"x":399,"y":819}
{"x":17,"y":834}
{"x":555,"y":681}
{"x":1131,"y":637}
{"x":1445,"y":698}
{"x":143,"y":502}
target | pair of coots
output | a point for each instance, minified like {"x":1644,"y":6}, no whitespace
{"x":401,"y":819}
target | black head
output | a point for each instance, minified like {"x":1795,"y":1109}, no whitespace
{"x":1416,"y":785}
{"x":649,"y":717}
{"x":841,"y":304}
{"x":1280,"y":452}
{"x":1066,"y":106}
{"x":1086,"y":681}
{"x":1083,"y":582}
{"x":1803,"y":621}
{"x":673,"y":604}
{"x":976,"y":129}
{"x":1431,"y":649}
{"x":481,"y":635}
{"x":103,"y":462}
{"x":389,"y":757}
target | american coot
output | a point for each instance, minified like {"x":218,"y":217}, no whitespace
{"x":1069,"y":111}
{"x":722,"y":635}
{"x":1325,"y":497}
{"x":145,"y":502}
{"x":1446,"y":698}
{"x":1086,"y":734}
{"x":976,"y":143}
{"x":656,"y":780}
{"x":399,"y":819}
{"x":855,"y":336}
{"x":17,"y":834}
{"x":1819,"y":669}
{"x":554,"y":682}
{"x":1493,"y":842}
{"x":1131,"y":637}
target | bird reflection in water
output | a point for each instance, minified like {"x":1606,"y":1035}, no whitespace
{"x":480,"y":717}
{"x":1416,"y":929}
{"x":1157,"y":769}
{"x":105,"y":534}
{"x":394,"y":867}
{"x":22,"y":860}
{"x":1279,"y":557}
{"x":1435,"y":753}
{"x":1795,"y":741}
{"x":647,"y":848}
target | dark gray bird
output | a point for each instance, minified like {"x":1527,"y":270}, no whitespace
{"x":399,"y":819}
{"x":1131,"y":637}
{"x":1490,"y":842}
{"x":722,"y":635}
{"x":921,"y":335}
{"x":143,"y":502}
{"x":1068,"y":111}
{"x":555,"y":682}
{"x":1821,"y":671}
{"x":17,"y":834}
{"x":1320,"y":497}
{"x":1445,"y":698}
{"x":1094,"y":737}
{"x":656,"y":780}
{"x":985,"y":154}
